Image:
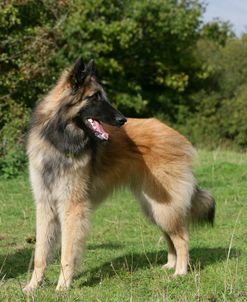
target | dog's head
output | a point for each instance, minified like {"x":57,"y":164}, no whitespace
{"x":75,"y":110}
{"x":91,"y":102}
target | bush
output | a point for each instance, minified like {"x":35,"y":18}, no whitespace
{"x":219,"y":108}
{"x":28,"y":44}
{"x":234,"y":117}
{"x":14,"y":118}
{"x":216,"y":121}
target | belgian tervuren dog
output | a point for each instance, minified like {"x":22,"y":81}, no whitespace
{"x":80,"y":149}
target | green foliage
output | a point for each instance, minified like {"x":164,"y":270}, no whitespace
{"x":217,"y":31}
{"x":220,"y":108}
{"x":154,"y":57}
{"x":28,"y":44}
{"x":142,"y":48}
{"x":14,"y":118}
{"x":234,"y":117}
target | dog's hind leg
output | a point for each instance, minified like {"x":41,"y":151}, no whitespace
{"x":74,"y":217}
{"x":169,"y":211}
{"x":180,"y":242}
{"x":46,"y":230}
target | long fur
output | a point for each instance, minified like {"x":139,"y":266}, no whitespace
{"x":72,"y":172}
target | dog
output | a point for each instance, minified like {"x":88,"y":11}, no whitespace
{"x":81,"y":149}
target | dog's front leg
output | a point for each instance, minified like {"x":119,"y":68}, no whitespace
{"x":74,"y":225}
{"x":46,"y":229}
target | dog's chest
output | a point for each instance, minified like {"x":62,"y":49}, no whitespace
{"x":58,"y":177}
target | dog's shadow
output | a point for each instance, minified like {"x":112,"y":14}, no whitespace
{"x":15,"y":264}
{"x":199,"y":257}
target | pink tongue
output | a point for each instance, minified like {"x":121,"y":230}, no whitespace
{"x":98,"y":128}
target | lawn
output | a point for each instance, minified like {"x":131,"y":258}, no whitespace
{"x":124,"y":253}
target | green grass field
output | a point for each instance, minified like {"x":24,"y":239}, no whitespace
{"x":124,"y":253}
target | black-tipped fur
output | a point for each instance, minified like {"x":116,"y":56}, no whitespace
{"x":65,"y":137}
{"x":79,"y":72}
{"x":203,"y":207}
{"x":70,"y":134}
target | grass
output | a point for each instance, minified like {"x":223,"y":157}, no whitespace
{"x":124,"y":253}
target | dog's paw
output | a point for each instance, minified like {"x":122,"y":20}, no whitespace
{"x":29,"y":289}
{"x":180,"y":274}
{"x":169,"y":265}
{"x":61,"y":287}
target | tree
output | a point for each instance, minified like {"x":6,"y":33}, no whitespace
{"x":143,"y":49}
{"x":29,"y":38}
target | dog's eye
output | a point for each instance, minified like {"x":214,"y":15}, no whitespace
{"x":95,"y":97}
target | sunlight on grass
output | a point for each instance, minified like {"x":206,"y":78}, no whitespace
{"x":124,"y":253}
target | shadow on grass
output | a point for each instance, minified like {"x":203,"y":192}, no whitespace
{"x":105,"y":246}
{"x":201,"y":257}
{"x":14,"y":264}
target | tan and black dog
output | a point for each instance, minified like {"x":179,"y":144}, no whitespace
{"x":79,"y":154}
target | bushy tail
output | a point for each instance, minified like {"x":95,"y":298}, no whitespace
{"x":202,"y":207}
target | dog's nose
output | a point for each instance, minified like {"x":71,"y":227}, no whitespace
{"x":121,"y":120}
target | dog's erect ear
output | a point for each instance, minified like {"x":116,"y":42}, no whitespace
{"x":77,"y":73}
{"x":90,"y":67}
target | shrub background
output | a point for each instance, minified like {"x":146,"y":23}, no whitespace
{"x":154,"y":58}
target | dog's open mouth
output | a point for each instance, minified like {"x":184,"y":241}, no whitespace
{"x":97,"y":128}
